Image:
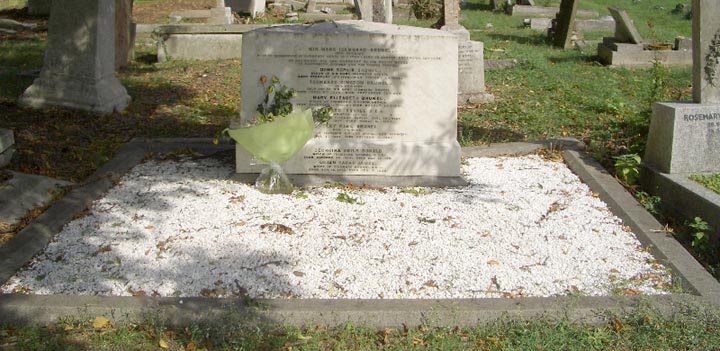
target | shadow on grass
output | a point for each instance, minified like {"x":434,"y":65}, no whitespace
{"x":533,"y":39}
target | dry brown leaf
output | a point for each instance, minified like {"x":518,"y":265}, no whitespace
{"x":278,"y":228}
{"x":493,"y":263}
{"x":191,"y":347}
{"x":299,"y":274}
{"x":101,"y":322}
{"x":431,"y":284}
{"x":163,"y":344}
{"x":68,"y":327}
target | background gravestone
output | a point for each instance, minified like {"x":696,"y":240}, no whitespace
{"x":471,"y":62}
{"x":393,"y":88}
{"x":625,"y":31}
{"x":124,"y":33}
{"x":685,"y":137}
{"x":39,"y":7}
{"x":79,"y":64}
{"x":564,"y":25}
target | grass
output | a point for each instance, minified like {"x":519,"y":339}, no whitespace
{"x":711,"y":182}
{"x":690,"y":328}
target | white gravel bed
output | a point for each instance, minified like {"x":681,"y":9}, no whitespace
{"x":523,"y":227}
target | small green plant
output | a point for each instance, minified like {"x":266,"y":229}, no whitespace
{"x":425,"y":9}
{"x":650,"y":202}
{"x":700,"y":237}
{"x":426,"y":220}
{"x":416,"y":191}
{"x":300,"y":194}
{"x":660,"y":75}
{"x":344,"y":197}
{"x":627,"y":168}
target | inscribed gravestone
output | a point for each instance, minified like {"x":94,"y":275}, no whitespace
{"x":685,"y":137}
{"x":393,"y":88}
{"x":78,"y":66}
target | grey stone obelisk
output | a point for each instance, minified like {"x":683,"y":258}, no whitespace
{"x":79,"y":64}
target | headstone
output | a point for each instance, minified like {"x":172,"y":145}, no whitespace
{"x":311,"y":5}
{"x":625,"y":31}
{"x":526,"y":2}
{"x":124,"y":33}
{"x":7,"y":141}
{"x":39,"y":7}
{"x":253,"y":7}
{"x":78,"y":70}
{"x":685,"y":137}
{"x":564,"y":25}
{"x":393,"y":88}
{"x":471,"y":66}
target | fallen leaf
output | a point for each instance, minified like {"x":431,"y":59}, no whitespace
{"x":101,"y":322}
{"x":163,"y":344}
{"x":191,"y":347}
{"x":431,"y":284}
{"x":299,"y":274}
{"x":617,"y":325}
{"x":493,"y":263}
{"x":278,"y":228}
{"x":68,"y":327}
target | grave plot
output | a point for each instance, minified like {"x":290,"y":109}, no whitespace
{"x":524,"y":226}
{"x":628,"y":49}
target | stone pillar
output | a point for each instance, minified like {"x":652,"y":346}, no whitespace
{"x":364,"y":9}
{"x":382,"y":11}
{"x":706,"y":51}
{"x":564,"y":24}
{"x":471,"y":62}
{"x":79,"y":65}
{"x":124,"y":33}
{"x":684,"y":137}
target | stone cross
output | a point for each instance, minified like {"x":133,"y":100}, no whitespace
{"x":565,"y":21}
{"x":706,"y":51}
{"x":79,"y":64}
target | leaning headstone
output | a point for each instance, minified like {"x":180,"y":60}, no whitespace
{"x":563,"y":28}
{"x":7,"y":141}
{"x":311,"y":6}
{"x":625,"y":31}
{"x":393,"y":88}
{"x":78,"y":70}
{"x":684,"y":137}
{"x":471,"y":65}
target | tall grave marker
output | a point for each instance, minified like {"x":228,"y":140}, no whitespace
{"x":79,"y":64}
{"x":564,"y":24}
{"x":471,"y":62}
{"x":393,"y":89}
{"x":684,"y":137}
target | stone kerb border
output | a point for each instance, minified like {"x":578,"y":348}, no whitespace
{"x":702,"y":288}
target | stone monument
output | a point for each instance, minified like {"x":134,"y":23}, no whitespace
{"x":471,"y":62}
{"x":563,"y":31}
{"x":393,"y":88}
{"x":684,"y":137}
{"x":124,"y":33}
{"x":78,"y":66}
{"x":39,"y":7}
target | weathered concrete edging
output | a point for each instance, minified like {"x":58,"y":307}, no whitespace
{"x":683,"y":196}
{"x":35,"y":309}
